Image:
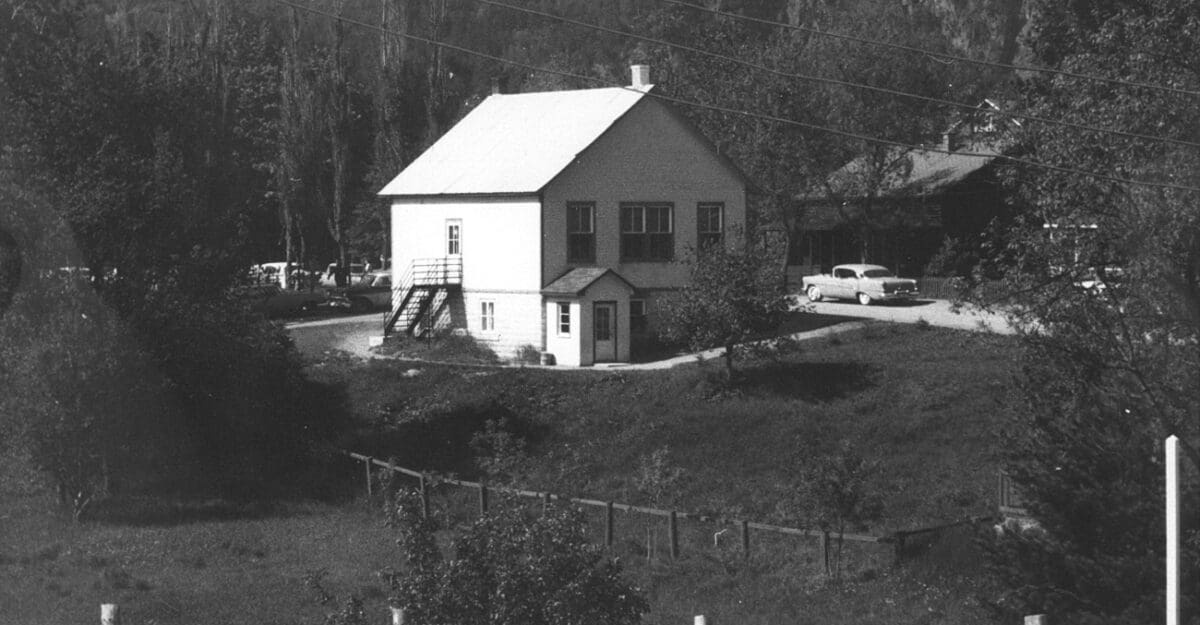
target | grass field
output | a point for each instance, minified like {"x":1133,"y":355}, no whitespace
{"x":923,"y":402}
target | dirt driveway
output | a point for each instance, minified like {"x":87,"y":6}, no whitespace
{"x":934,"y":312}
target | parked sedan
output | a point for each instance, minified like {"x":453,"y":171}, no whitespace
{"x":866,"y":283}
{"x":373,"y":292}
{"x":272,"y":301}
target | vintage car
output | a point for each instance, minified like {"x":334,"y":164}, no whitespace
{"x":272,"y":301}
{"x":866,"y":283}
{"x":374,"y":292}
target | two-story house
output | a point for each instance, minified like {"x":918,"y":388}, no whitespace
{"x":554,"y":220}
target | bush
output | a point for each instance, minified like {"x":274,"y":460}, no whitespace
{"x":528,"y":354}
{"x":511,"y":568}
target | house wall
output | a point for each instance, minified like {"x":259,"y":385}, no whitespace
{"x":650,"y":154}
{"x":499,"y":239}
{"x":500,"y":257}
{"x":519,"y":320}
{"x":566,"y":349}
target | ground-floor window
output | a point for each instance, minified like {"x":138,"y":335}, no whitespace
{"x":637,"y":316}
{"x":564,"y":319}
{"x":487,"y":317}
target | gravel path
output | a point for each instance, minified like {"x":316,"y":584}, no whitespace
{"x":350,"y":333}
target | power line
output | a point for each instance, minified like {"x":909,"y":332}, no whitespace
{"x":842,"y":83}
{"x":940,"y":55}
{"x":732,"y":111}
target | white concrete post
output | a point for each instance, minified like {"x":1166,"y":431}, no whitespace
{"x":109,"y":614}
{"x":1037,"y":619}
{"x":397,"y":616}
{"x":1172,"y":461}
{"x":700,"y":620}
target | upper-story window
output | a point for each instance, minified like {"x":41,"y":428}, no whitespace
{"x":581,"y":232}
{"x":453,"y":237}
{"x":710,"y":224}
{"x":647,"y":232}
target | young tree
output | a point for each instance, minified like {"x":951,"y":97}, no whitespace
{"x":733,"y":295}
{"x":839,"y":484}
{"x":511,"y":569}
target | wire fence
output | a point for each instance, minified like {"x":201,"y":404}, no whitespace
{"x":655,"y":534}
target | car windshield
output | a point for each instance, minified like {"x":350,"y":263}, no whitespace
{"x":877,"y":273}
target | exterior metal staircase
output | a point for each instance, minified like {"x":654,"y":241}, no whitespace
{"x":421,"y":293}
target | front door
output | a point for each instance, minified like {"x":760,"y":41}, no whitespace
{"x":604,"y":331}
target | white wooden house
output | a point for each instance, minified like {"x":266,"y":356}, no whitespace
{"x":553,"y":220}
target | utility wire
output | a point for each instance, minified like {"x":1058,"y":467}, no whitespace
{"x":940,"y":55}
{"x":732,"y":111}
{"x":835,"y":81}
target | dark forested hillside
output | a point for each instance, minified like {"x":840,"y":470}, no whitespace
{"x":283,"y":121}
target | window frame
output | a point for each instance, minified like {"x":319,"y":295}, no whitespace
{"x":637,"y":228}
{"x":564,"y":317}
{"x":590,"y":233}
{"x":714,"y":237}
{"x":638,"y":323}
{"x":487,"y":315}
{"x":454,"y":243}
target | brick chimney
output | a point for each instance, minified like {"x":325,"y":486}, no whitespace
{"x":640,"y":76}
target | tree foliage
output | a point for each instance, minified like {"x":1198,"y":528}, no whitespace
{"x":1105,"y":278}
{"x":732,"y":295}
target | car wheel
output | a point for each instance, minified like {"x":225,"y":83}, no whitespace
{"x":814,"y":294}
{"x":360,"y":305}
{"x":864,"y":299}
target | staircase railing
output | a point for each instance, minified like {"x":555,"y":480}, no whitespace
{"x":421,"y":272}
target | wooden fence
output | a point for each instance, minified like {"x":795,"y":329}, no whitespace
{"x":897,"y":540}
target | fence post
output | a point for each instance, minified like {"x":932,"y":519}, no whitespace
{"x":825,"y":552}
{"x":483,"y":499}
{"x":367,"y":466}
{"x":899,"y":537}
{"x":608,"y":524}
{"x":110,"y":614}
{"x":389,"y":487}
{"x":424,"y":486}
{"x":397,"y":616}
{"x":673,"y":534}
{"x":745,"y":539}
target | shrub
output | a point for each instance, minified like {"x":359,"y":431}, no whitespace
{"x":511,"y":569}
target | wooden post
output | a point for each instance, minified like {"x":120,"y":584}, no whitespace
{"x":1171,"y":449}
{"x":483,"y":499}
{"x":673,"y":534}
{"x":367,"y":466}
{"x":825,"y":553}
{"x":424,"y":486}
{"x":900,"y":538}
{"x":397,"y":616}
{"x":109,"y":614}
{"x":608,"y":525}
{"x":745,"y":526}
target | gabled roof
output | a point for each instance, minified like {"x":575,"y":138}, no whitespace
{"x":576,"y":281}
{"x":916,"y":171}
{"x":514,"y":144}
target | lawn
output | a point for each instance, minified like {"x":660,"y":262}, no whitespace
{"x":924,"y":403}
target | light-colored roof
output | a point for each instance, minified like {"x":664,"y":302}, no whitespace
{"x":577,"y":280}
{"x":514,"y":144}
